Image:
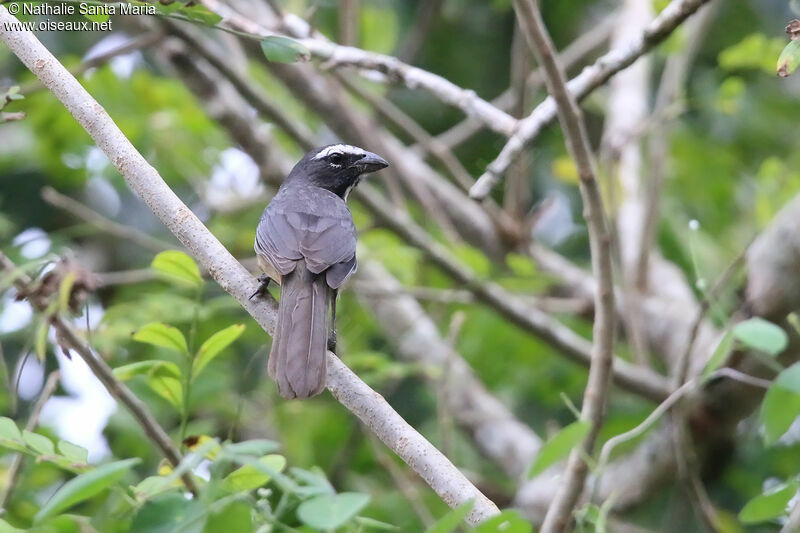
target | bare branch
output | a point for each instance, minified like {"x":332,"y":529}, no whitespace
{"x":126,"y":234}
{"x":336,"y":55}
{"x":636,"y":379}
{"x":348,"y":22}
{"x":497,"y":433}
{"x":588,"y":80}
{"x":70,"y":338}
{"x":582,"y":46}
{"x":141,"y":41}
{"x":495,"y":430}
{"x":451,"y":485}
{"x":296,"y":130}
{"x":596,"y":393}
{"x":673,"y":79}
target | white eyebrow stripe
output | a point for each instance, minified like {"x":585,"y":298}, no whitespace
{"x":343,"y":148}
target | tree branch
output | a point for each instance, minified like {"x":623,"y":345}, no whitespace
{"x":126,"y":234}
{"x":580,"y":86}
{"x":336,"y":55}
{"x":450,"y":484}
{"x":595,"y":396}
{"x":70,"y":338}
{"x":569,"y":57}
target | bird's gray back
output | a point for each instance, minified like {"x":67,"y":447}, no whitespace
{"x":310,"y":223}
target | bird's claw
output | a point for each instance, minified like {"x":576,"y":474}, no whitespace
{"x":332,"y":340}
{"x":263,"y":286}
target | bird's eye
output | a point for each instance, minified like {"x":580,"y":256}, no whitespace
{"x":335,"y":158}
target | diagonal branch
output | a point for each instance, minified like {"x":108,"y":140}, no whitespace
{"x":575,"y":52}
{"x":448,"y":482}
{"x":596,"y":393}
{"x":639,"y":380}
{"x":413,"y":77}
{"x":70,"y":338}
{"x":592,"y":77}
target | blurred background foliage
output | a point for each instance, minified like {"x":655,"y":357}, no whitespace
{"x":733,"y":162}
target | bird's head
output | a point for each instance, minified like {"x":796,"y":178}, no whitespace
{"x":336,"y":167}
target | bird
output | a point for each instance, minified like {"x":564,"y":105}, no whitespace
{"x":306,"y":242}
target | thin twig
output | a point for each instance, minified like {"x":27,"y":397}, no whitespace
{"x":600,"y":370}
{"x":336,"y":55}
{"x":579,"y":87}
{"x":448,"y":482}
{"x":495,"y":430}
{"x":672,"y":81}
{"x":70,"y":338}
{"x":582,"y":46}
{"x":33,"y":421}
{"x":296,"y":130}
{"x":126,"y":234}
{"x":136,"y":43}
{"x":639,"y":380}
{"x":348,"y":22}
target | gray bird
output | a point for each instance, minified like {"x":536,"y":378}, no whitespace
{"x":306,"y":241}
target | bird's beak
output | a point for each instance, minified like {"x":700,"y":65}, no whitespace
{"x":371,"y":163}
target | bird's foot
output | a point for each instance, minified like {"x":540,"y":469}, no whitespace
{"x":332,"y":340}
{"x":263,"y":287}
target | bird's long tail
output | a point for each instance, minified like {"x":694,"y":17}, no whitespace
{"x":297,"y":360}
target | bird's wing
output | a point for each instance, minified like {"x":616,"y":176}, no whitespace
{"x":312,"y":224}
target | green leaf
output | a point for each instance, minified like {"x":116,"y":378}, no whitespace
{"x":474,"y":259}
{"x":84,"y":487}
{"x":754,"y":51}
{"x":159,"y":334}
{"x":506,"y":522}
{"x":99,"y":17}
{"x":781,"y":405}
{"x":5,"y":527}
{"x":331,"y":511}
{"x":214,"y":345}
{"x":559,"y":446}
{"x":789,"y":379}
{"x":284,"y":50}
{"x":177,"y":266}
{"x":779,"y":410}
{"x":165,"y":384}
{"x":202,"y":14}
{"x":235,"y":518}
{"x":65,"y":291}
{"x":789,"y":59}
{"x":253,"y":448}
{"x":73,"y":452}
{"x":451,"y":520}
{"x":249,"y":477}
{"x":761,"y":335}
{"x":149,"y":487}
{"x":371,"y":523}
{"x":719,"y":356}
{"x":40,"y":341}
{"x":9,"y":430}
{"x":126,"y":372}
{"x":769,"y":505}
{"x":38,"y":443}
{"x":169,"y":513}
{"x":521,"y":265}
